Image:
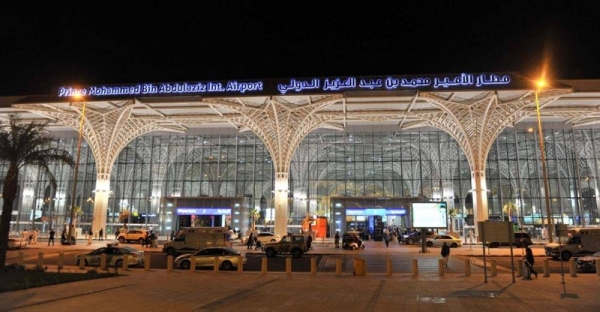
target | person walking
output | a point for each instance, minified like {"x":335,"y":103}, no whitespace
{"x":51,"y":238}
{"x":530,"y":260}
{"x":386,"y":238}
{"x":445,"y":253}
{"x":250,"y":241}
{"x":309,"y":241}
{"x":337,"y":239}
{"x":90,"y":235}
{"x":101,"y":234}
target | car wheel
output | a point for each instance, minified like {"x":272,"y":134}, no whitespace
{"x":454,"y":245}
{"x":121,"y":240}
{"x":565,"y":255}
{"x":273,"y":240}
{"x":296,"y":253}
{"x":141,"y":241}
{"x":353,"y":247}
{"x":429,"y":244}
{"x":410,"y":241}
{"x":185,"y":265}
{"x":226,"y":265}
{"x":270,"y":253}
{"x":119,"y":263}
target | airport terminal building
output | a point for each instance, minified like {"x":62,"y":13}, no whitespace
{"x":274,"y":152}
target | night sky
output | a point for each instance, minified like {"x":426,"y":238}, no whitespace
{"x":45,"y":44}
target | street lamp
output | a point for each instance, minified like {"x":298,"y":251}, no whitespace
{"x":76,"y":171}
{"x":541,"y":84}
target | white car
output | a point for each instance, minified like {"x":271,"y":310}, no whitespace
{"x":266,"y":237}
{"x":439,"y":240}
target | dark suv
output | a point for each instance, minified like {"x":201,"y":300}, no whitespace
{"x":415,"y":237}
{"x":520,"y":240}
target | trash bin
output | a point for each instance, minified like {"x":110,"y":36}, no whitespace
{"x":526,"y":271}
{"x":360,"y":267}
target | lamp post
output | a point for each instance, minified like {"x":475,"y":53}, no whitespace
{"x":76,"y":171}
{"x":549,"y":220}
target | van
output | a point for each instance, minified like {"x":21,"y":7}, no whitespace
{"x":521,"y":239}
{"x":580,"y":242}
{"x":190,"y":240}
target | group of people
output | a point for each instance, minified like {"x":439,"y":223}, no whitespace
{"x":150,"y":240}
{"x":31,"y":236}
{"x":252,"y":239}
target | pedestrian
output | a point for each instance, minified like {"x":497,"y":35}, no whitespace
{"x":35,"y":236}
{"x":250,"y":241}
{"x":117,"y":233}
{"x":386,"y":238}
{"x":530,"y":260}
{"x":172,"y":235}
{"x":309,"y":242}
{"x":545,"y":233}
{"x":101,"y":234}
{"x":445,"y":253}
{"x":90,"y":235}
{"x":146,"y":242}
{"x":51,"y":238}
{"x":337,"y":239}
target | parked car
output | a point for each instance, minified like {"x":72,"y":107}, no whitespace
{"x":588,"y":263}
{"x":415,"y":237}
{"x":267,"y":237}
{"x":439,"y":240}
{"x":114,"y":256}
{"x":521,"y":239}
{"x":16,"y":242}
{"x":132,"y":235}
{"x":228,"y":258}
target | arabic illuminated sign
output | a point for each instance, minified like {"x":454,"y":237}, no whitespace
{"x":375,"y":211}
{"x":203,"y":211}
{"x":299,"y":86}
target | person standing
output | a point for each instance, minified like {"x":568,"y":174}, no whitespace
{"x":51,"y":238}
{"x":337,"y":239}
{"x":529,"y":260}
{"x":101,"y":234}
{"x":309,"y":241}
{"x":90,"y":235}
{"x":386,"y":238}
{"x":250,"y":241}
{"x":445,"y":253}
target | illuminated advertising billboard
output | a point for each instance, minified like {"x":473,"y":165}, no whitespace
{"x":430,"y":215}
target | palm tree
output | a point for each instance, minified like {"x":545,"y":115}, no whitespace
{"x":452,"y":213}
{"x":23,"y":145}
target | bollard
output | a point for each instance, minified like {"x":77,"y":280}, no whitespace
{"x":103,"y":262}
{"x":441,"y":267}
{"x":415,"y":267}
{"x":61,"y":260}
{"x":216,"y":265}
{"x":263,"y":266}
{"x":313,"y":266}
{"x":81,"y":263}
{"x":546,"y":268}
{"x":288,"y":266}
{"x":169,"y":263}
{"x":389,"y":267}
{"x":20,"y":259}
{"x":338,"y":266}
{"x":125,"y":262}
{"x":240,"y":264}
{"x":494,"y":267}
{"x":597,"y":267}
{"x":519,"y":267}
{"x":40,"y":260}
{"x":147,"y":262}
{"x":467,"y":267}
{"x":572,"y":267}
{"x":360,"y":267}
{"x":193,"y":263}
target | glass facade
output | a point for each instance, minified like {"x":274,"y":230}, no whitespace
{"x":371,"y":162}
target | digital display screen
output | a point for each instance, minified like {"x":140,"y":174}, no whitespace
{"x":430,"y":215}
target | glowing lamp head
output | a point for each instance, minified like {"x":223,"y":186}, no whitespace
{"x":78,"y":95}
{"x":541,"y":84}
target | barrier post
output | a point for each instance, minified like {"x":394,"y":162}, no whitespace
{"x":572,"y":267}
{"x":20,"y":259}
{"x":598,"y":268}
{"x":103,"y":262}
{"x":441,"y":267}
{"x":546,"y":268}
{"x":81,"y":263}
{"x":193,"y":263}
{"x":147,"y":261}
{"x":263,"y":266}
{"x":313,"y":266}
{"x":519,"y":267}
{"x":415,"y":267}
{"x":40,"y":260}
{"x":389,"y":267}
{"x":240,"y":265}
{"x":494,"y":267}
{"x":467,"y":267}
{"x":169,"y":263}
{"x":288,"y":266}
{"x":125,"y":262}
{"x":338,"y":266}
{"x":216,"y":265}
{"x":61,"y":260}
{"x":359,"y":267}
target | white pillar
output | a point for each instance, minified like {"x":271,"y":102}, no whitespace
{"x":281,"y":203}
{"x":101,"y":202}
{"x":480,"y":204}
